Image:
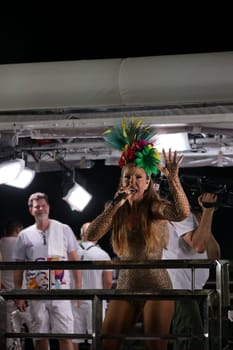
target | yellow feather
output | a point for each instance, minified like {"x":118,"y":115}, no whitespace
{"x":138,"y":123}
{"x":124,"y":127}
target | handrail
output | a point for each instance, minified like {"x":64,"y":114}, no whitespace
{"x":107,"y":294}
{"x":116,"y":264}
{"x":207,"y":296}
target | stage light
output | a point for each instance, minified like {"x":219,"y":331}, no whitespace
{"x":24,"y":178}
{"x":10,"y":169}
{"x":77,"y":197}
{"x":177,"y":141}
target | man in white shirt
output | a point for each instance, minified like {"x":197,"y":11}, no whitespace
{"x":191,"y":239}
{"x":47,"y":240}
{"x":91,"y":279}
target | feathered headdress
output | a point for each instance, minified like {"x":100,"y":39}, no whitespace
{"x":132,"y":139}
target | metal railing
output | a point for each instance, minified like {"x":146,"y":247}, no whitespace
{"x":213,"y":300}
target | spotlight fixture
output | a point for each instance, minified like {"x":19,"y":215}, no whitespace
{"x":23,"y":179}
{"x":77,"y":197}
{"x":74,"y":194}
{"x":10,"y":169}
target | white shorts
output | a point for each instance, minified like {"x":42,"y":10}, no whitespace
{"x":83,"y":319}
{"x":51,"y":316}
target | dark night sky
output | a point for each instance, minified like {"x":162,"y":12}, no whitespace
{"x":64,"y":33}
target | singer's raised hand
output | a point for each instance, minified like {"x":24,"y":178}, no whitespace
{"x":171,"y":163}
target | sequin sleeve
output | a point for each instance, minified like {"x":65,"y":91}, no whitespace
{"x":101,"y":224}
{"x":177,"y":209}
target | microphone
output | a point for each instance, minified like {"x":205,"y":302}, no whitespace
{"x":122,"y":195}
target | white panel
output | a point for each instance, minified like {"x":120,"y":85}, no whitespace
{"x":190,"y":78}
{"x":159,"y":80}
{"x":59,"y":84}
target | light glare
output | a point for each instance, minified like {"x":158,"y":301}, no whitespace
{"x":9,"y":170}
{"x":77,"y":197}
{"x":24,"y":179}
{"x":177,"y":142}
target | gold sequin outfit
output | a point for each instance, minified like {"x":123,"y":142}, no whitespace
{"x":144,"y":278}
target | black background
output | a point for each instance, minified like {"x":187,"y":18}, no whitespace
{"x":63,"y":32}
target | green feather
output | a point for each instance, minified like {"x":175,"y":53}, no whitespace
{"x":128,"y":132}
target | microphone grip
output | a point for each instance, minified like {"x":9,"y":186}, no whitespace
{"x":119,"y":197}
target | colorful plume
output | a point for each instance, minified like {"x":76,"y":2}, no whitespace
{"x":132,"y":139}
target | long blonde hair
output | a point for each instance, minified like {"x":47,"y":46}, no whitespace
{"x":147,"y":223}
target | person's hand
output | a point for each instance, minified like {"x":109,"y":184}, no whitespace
{"x":21,"y":305}
{"x":171,"y":164}
{"x":123,"y":195}
{"x":79,"y":302}
{"x":207,"y":200}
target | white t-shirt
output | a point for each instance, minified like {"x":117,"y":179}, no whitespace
{"x":178,"y":249}
{"x":92,"y":279}
{"x":31,"y":245}
{"x":6,"y":249}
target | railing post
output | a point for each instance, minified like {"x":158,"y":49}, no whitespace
{"x":225,"y":299}
{"x":97,"y":317}
{"x":2,"y":323}
{"x":217,"y":317}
